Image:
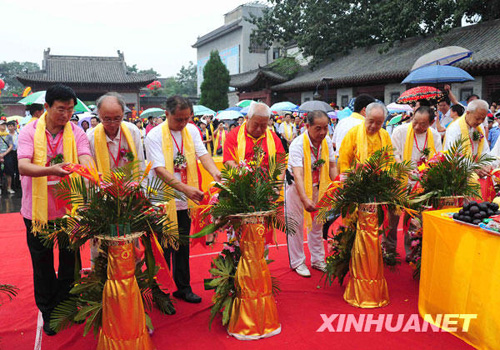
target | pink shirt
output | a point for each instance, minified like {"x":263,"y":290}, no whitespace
{"x":25,"y":149}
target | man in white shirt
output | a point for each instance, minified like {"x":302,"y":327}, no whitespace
{"x":287,"y":129}
{"x":474,"y":117}
{"x":443,"y":107}
{"x":178,"y":112}
{"x":356,"y":118}
{"x":297,"y":201}
{"x":111,"y":108}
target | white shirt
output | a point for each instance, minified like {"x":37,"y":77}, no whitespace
{"x":154,"y":151}
{"x":114,"y":145}
{"x":282,"y":129}
{"x":453,"y":133}
{"x":399,"y":140}
{"x":446,"y":119}
{"x":296,"y":152}
{"x":341,"y":130}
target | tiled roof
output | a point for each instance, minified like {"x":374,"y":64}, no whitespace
{"x":85,"y":69}
{"x":251,"y":77}
{"x":367,"y":65}
{"x":217,"y":33}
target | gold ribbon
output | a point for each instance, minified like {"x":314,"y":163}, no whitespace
{"x":324,"y":174}
{"x":101,"y":148}
{"x":464,"y":130}
{"x":410,"y":136}
{"x":39,"y":208}
{"x":223,"y":139}
{"x":362,"y":142}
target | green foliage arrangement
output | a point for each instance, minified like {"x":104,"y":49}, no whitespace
{"x":9,"y":290}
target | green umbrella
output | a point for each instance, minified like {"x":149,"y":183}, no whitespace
{"x":152,"y":112}
{"x":244,"y":103}
{"x":395,"y":120}
{"x":39,"y":98}
{"x":202,"y":110}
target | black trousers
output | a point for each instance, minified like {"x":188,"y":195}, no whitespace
{"x":50,"y":289}
{"x":180,"y":258}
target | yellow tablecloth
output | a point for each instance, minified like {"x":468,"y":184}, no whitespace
{"x":461,"y":275}
{"x":205,"y":176}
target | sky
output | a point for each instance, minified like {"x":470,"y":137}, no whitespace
{"x":151,"y":33}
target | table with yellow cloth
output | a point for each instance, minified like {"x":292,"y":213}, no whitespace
{"x":461,"y":275}
{"x":206,"y":178}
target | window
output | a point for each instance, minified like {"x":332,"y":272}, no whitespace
{"x":465,"y":93}
{"x":394,"y":96}
{"x":257,"y":48}
{"x":344,"y":100}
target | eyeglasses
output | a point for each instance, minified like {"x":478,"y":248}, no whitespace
{"x":111,"y":121}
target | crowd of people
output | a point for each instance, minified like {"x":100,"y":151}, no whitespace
{"x":318,"y":151}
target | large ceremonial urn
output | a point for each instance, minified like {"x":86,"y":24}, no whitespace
{"x":248,"y":204}
{"x":254,"y":314}
{"x":367,"y":287}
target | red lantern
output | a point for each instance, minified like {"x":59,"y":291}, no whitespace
{"x":2,"y":84}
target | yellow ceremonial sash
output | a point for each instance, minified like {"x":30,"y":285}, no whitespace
{"x":362,"y":142}
{"x":101,"y":148}
{"x":192,"y":170}
{"x":464,"y":130}
{"x":410,"y":136}
{"x":324,"y":173}
{"x":208,"y":144}
{"x":39,"y":208}
{"x":242,"y":143}
{"x":358,"y":116}
{"x":223,"y":139}
{"x":288,"y":131}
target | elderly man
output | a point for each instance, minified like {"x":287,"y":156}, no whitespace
{"x":173,"y":147}
{"x":470,"y":129}
{"x":114,"y":142}
{"x":241,"y":141}
{"x":364,"y":139}
{"x":356,"y":118}
{"x":312,"y":162}
{"x":40,"y":143}
{"x":416,"y":140}
{"x":288,"y":129}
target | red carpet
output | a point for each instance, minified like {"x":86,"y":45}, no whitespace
{"x":300,"y":305}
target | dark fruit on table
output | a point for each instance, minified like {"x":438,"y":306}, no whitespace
{"x":461,"y":217}
{"x":483,"y":206}
{"x":474,"y":210}
{"x":467,"y":218}
{"x":490,"y":212}
{"x":483,"y":214}
{"x":494,"y":206}
{"x":461,"y":212}
{"x":477,"y":221}
{"x":456,"y":216}
{"x":478,"y":216}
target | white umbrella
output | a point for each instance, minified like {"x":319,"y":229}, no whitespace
{"x":443,"y":56}
{"x":397,"y":108}
{"x":228,"y":115}
{"x":315,"y":106}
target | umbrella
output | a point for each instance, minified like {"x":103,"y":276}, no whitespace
{"x":284,"y":106}
{"x":245,"y":110}
{"x":395,"y":120}
{"x":39,"y":97}
{"x":419,"y":93}
{"x":202,"y":110}
{"x":437,"y":74}
{"x":225,"y":114}
{"x":244,"y":103}
{"x":316,"y":106}
{"x":237,"y":109}
{"x":398,"y":108}
{"x":346,"y":112}
{"x":86,"y":116}
{"x":26,"y":120}
{"x":332,"y":115}
{"x":443,"y":56}
{"x":17,"y":118}
{"x":152,"y":112}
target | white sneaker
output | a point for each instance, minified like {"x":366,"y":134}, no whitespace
{"x":11,"y":191}
{"x":303,"y":271}
{"x":321,"y":266}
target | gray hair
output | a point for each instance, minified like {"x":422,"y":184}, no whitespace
{"x":477,"y":104}
{"x":261,"y":106}
{"x":119,"y":99}
{"x":375,"y":105}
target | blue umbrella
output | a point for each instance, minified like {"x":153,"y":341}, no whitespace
{"x":237,"y":109}
{"x":284,"y":106}
{"x":244,"y":110}
{"x":346,"y":112}
{"x":202,"y":110}
{"x":437,"y":74}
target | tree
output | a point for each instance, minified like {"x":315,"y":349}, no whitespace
{"x":215,"y":83}
{"x":323,"y":29}
{"x":9,"y":71}
{"x":134,"y":69}
{"x":187,"y":79}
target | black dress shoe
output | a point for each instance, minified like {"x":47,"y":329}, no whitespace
{"x":190,"y":297}
{"x":47,"y":330}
